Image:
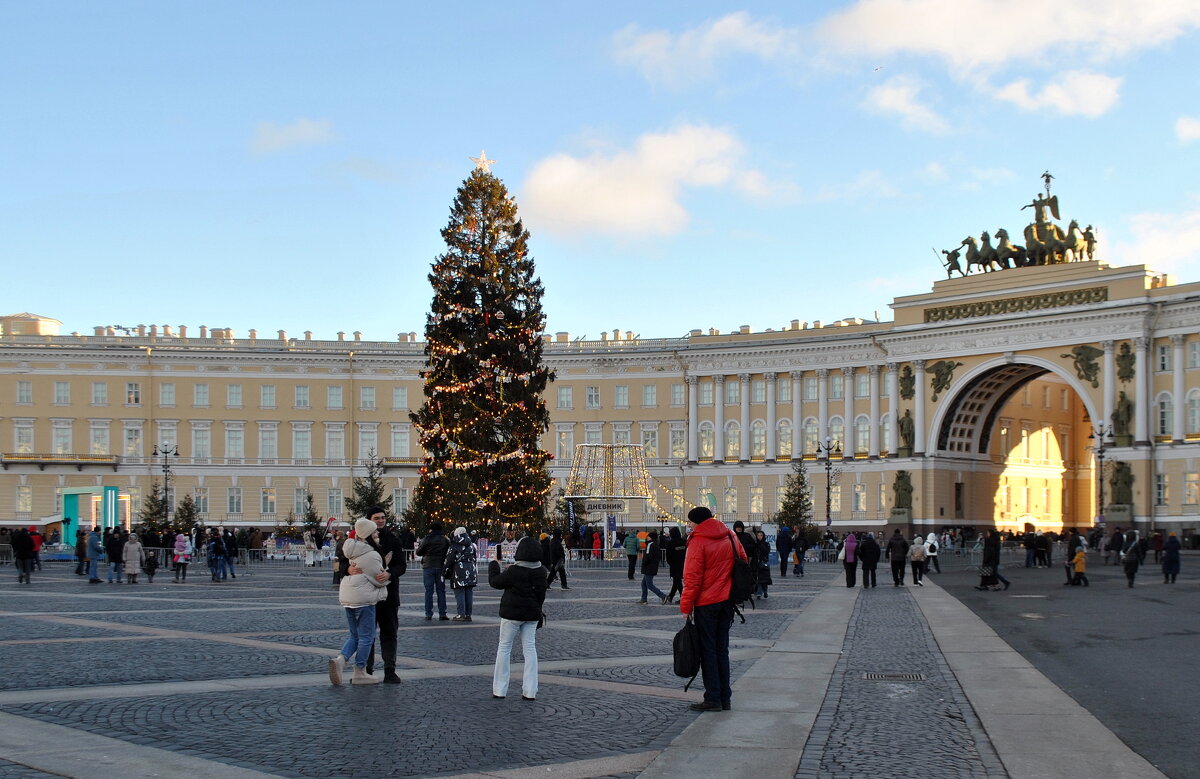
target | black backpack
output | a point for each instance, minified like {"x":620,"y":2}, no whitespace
{"x":742,"y":583}
{"x":686,"y":649}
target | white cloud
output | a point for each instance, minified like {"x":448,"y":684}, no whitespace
{"x":637,"y":192}
{"x":1164,"y":242}
{"x":899,"y":95}
{"x":1187,"y":129}
{"x":976,"y":35}
{"x":1073,"y":93}
{"x":673,"y":59}
{"x":270,"y":137}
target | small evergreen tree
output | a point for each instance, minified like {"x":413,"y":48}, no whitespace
{"x":369,"y":491}
{"x":185,"y":514}
{"x":288,"y":528}
{"x":312,"y":521}
{"x":796,"y":508}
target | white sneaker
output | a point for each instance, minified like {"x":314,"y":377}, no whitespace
{"x":361,"y":677}
{"x":335,"y":669}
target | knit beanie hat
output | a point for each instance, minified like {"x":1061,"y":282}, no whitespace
{"x":460,"y":531}
{"x":363,"y":529}
{"x":699,"y":514}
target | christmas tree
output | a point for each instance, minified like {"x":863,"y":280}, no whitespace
{"x":796,"y":506}
{"x":483,"y":415}
{"x":370,"y":491}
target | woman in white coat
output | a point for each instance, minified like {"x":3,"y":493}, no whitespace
{"x":358,"y":594}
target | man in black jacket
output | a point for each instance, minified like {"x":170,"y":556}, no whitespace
{"x":868,"y":555}
{"x":432,"y":551}
{"x":387,"y":612}
{"x":897,"y":552}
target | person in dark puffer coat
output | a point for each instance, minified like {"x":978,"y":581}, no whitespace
{"x":524,"y":584}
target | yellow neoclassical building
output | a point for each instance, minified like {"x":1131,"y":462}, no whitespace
{"x":987,"y":400}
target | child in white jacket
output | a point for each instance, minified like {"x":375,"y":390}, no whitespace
{"x":359,"y":594}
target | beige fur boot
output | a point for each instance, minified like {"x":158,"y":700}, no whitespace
{"x":362,"y":677}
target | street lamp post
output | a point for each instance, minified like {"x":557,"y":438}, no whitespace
{"x":1102,"y":435}
{"x":829,"y":448}
{"x":167,"y":452}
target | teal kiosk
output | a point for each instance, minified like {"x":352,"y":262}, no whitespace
{"x":88,"y":507}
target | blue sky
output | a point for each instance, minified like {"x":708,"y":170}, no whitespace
{"x":679,"y":165}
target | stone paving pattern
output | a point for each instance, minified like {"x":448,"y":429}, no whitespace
{"x":875,"y":728}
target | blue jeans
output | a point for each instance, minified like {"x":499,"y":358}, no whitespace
{"x":93,"y":568}
{"x":362,"y":634}
{"x":229,"y":565}
{"x":115,"y":568}
{"x":508,"y":633}
{"x":648,"y":584}
{"x":713,"y":621}
{"x":432,"y":578}
{"x":217,"y":566}
{"x":464,"y":599}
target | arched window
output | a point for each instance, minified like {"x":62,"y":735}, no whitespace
{"x":1193,"y":412}
{"x":705,"y":436}
{"x":837,"y":432}
{"x":810,"y":436}
{"x":862,"y":434}
{"x":783,"y":440}
{"x":1164,"y":414}
{"x":758,"y":439}
{"x":733,"y":441}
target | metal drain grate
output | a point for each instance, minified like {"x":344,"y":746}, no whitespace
{"x":875,"y":676}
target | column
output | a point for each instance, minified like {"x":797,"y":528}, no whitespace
{"x":893,"y":442}
{"x":719,"y":419}
{"x":1142,"y":400}
{"x":744,"y":396}
{"x":797,"y":418}
{"x":1110,"y":382}
{"x":919,"y":409}
{"x":1179,"y":402}
{"x":771,"y":421}
{"x":848,"y":446}
{"x":693,"y":415}
{"x":873,"y":452}
{"x":822,"y":404}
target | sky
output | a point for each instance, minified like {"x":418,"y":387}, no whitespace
{"x":679,"y":165}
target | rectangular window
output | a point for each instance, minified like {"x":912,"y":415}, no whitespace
{"x":862,"y":385}
{"x":334,"y":502}
{"x":1191,"y":488}
{"x":1065,"y":397}
{"x":24,"y":392}
{"x":564,"y":397}
{"x":756,"y":500}
{"x":335,"y":443}
{"x":649,"y":395}
{"x":621,"y":435}
{"x":783,"y":390}
{"x":678,"y":395}
{"x":810,"y":387}
{"x":678,"y":443}
{"x":268,"y":442}
{"x":883,"y":496}
{"x":301,"y":443}
{"x":201,"y":442}
{"x":837,"y":386}
{"x":24,"y":499}
{"x":1193,"y":354}
{"x":758,"y":391}
{"x":592,"y":434}
{"x":1162,"y":489}
{"x":400,"y":437}
{"x":399,"y":500}
{"x":98,"y":443}
{"x":266,"y":504}
{"x":23,"y":437}
{"x":333,"y":398}
{"x":133,"y":394}
{"x":886,"y":389}
{"x":650,"y":443}
{"x":733,"y":393}
{"x":860,"y":497}
{"x":1164,"y":356}
{"x":133,"y":442}
{"x":233,"y":396}
{"x":299,"y":502}
{"x":62,"y":393}
{"x":235,"y":442}
{"x":166,"y":394}
{"x":706,"y":393}
{"x":301,"y":392}
{"x":729,"y":500}
{"x":399,"y":398}
{"x":366,"y":398}
{"x":99,"y":393}
{"x":706,"y":498}
{"x":620,"y":396}
{"x":564,"y":443}
{"x":61,"y":438}
{"x":592,"y":397}
{"x":233,"y":500}
{"x":1045,"y":397}
{"x":368,"y":442}
{"x":266,"y":396}
{"x":835,"y":500}
{"x":200,"y":499}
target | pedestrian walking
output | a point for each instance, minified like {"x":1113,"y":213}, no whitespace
{"x":134,"y":556}
{"x":1131,"y":563}
{"x":22,"y":550}
{"x":114,"y":547}
{"x":1079,"y":564}
{"x":432,"y":551}
{"x":80,"y":553}
{"x":229,"y":540}
{"x":916,"y":559}
{"x":183,"y":556}
{"x":676,"y":553}
{"x":799,"y":550}
{"x":651,"y":561}
{"x":931,"y":553}
{"x":989,"y":566}
{"x":215,"y":555}
{"x":1170,"y":558}
{"x":897,"y":552}
{"x":848,"y":555}
{"x":868,"y":554}
{"x":95,"y":553}
{"x":524,"y":584}
{"x":461,"y":571}
{"x":557,"y":559}
{"x":358,"y":595}
{"x":783,"y":547}
{"x":631,"y":552}
{"x":762,"y":561}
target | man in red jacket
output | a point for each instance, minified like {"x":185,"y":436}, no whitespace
{"x":707,"y":576}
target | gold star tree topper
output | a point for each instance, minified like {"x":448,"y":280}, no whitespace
{"x":482,"y":162}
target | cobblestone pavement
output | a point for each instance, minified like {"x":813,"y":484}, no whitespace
{"x":873,"y":728}
{"x":233,"y":673}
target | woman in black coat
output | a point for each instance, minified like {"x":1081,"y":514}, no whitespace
{"x":114,"y":550}
{"x":990,"y":564}
{"x":676,"y":551}
{"x":22,"y":549}
{"x":761,"y":560}
{"x":869,"y":554}
{"x":524,"y":585}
